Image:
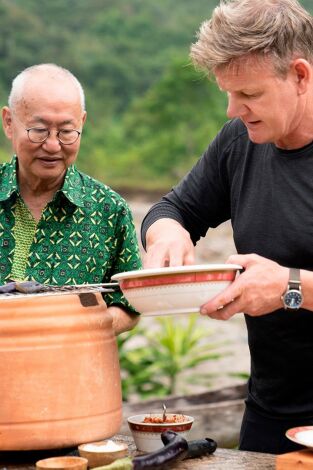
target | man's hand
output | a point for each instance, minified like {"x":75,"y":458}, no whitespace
{"x":121,"y":320}
{"x":168,"y":244}
{"x":256,"y":291}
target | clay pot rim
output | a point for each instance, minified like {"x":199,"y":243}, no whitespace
{"x":59,"y":463}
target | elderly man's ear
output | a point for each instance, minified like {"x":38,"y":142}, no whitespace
{"x":7,"y":121}
{"x":84,"y":118}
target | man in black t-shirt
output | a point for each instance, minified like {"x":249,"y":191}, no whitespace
{"x":257,"y":172}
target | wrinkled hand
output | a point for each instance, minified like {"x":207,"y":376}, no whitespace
{"x":168,"y":244}
{"x":256,"y":291}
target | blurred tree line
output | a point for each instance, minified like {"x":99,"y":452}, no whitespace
{"x":150,"y":114}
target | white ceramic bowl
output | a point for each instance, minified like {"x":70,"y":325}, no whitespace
{"x":147,"y":436}
{"x":102,"y":452}
{"x":302,"y":435}
{"x":62,"y":463}
{"x":175,"y":290}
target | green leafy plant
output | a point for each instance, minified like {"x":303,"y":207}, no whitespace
{"x":155,"y":365}
{"x":137,"y":371}
{"x":240,"y":375}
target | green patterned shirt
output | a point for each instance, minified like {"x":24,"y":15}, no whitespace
{"x":85,"y":234}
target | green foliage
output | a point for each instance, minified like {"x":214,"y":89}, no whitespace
{"x":117,"y":48}
{"x":240,"y":375}
{"x":125,"y":54}
{"x":155,"y":366}
{"x":150,"y":115}
{"x":139,"y":375}
{"x":172,"y":123}
{"x":162,"y":133}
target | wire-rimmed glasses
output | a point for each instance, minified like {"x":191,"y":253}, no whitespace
{"x":38,"y":135}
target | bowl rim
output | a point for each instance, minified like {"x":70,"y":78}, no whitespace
{"x":44,"y":463}
{"x":135,"y":420}
{"x":104,"y":452}
{"x":176,"y":270}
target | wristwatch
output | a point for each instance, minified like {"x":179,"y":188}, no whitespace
{"x":293,"y":298}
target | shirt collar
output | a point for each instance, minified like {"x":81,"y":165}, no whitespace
{"x":72,"y":188}
{"x":8,"y":180}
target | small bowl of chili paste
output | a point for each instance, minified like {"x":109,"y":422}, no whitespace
{"x":146,"y":429}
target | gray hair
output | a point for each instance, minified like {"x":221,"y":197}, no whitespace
{"x":19,"y":81}
{"x":278,"y":29}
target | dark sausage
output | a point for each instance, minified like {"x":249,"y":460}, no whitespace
{"x":176,"y":449}
{"x":201,"y":447}
{"x":196,"y":448}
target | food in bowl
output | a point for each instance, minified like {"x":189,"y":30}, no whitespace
{"x":175,"y":290}
{"x":146,"y":428}
{"x":102,"y":452}
{"x":167,"y":419}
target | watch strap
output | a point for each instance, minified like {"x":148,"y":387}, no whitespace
{"x":294,"y":279}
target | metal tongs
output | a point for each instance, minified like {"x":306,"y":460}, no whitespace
{"x":103,"y":286}
{"x":33,"y":287}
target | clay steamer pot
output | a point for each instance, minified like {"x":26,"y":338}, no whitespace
{"x":59,"y":371}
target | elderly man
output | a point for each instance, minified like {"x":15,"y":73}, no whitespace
{"x":58,"y":225}
{"x":257,"y":172}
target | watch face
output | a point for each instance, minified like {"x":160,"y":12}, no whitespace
{"x":293,"y":299}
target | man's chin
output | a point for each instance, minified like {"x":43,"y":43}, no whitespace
{"x":50,"y":174}
{"x":258,"y":139}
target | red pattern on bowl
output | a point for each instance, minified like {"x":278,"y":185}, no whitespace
{"x":177,"y":279}
{"x":153,"y":427}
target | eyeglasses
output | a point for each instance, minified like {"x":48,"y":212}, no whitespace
{"x":38,"y":135}
{"x":65,"y":136}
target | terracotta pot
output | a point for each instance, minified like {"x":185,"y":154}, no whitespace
{"x":59,"y":372}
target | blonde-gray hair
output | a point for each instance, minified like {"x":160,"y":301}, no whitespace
{"x":53,"y":69}
{"x":279,"y":29}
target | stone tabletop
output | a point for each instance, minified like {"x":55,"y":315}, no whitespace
{"x":222,"y":459}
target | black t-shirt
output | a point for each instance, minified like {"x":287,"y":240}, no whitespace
{"x":268,"y":195}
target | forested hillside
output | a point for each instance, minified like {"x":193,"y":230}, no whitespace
{"x":150,"y":115}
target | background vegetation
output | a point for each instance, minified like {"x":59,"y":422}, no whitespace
{"x":150,"y":115}
{"x":164,"y":355}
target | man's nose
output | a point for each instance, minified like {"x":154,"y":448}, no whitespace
{"x":235,"y":108}
{"x":52,"y":143}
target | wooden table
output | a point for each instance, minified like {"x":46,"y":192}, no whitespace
{"x":226,"y":459}
{"x":222,"y":459}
